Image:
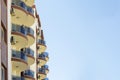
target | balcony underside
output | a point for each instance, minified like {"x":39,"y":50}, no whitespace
{"x":42,"y":48}
{"x":42,"y":76}
{"x":47,"y":58}
{"x":20,"y":16}
{"x":31,"y":60}
{"x":31,"y":39}
{"x":20,"y":40}
{"x":42,"y":62}
{"x":18,"y":65}
{"x":46,"y":71}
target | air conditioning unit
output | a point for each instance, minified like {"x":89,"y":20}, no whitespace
{"x":38,"y":76}
{"x":12,"y":40}
{"x":12,"y":12}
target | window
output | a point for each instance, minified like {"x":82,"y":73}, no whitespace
{"x":3,"y":33}
{"x":2,"y":73}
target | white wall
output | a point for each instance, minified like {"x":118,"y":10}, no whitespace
{"x":0,"y":40}
{"x":33,"y":47}
{"x":9,"y":44}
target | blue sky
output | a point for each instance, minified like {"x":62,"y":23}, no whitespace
{"x":83,"y":38}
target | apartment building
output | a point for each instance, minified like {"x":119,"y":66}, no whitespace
{"x":3,"y":40}
{"x":22,"y":44}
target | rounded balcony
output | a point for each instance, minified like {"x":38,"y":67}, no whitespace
{"x":30,"y":55}
{"x":42,"y":59}
{"x":28,"y":75}
{"x":18,"y":36}
{"x":41,"y":74}
{"x":29,"y":2}
{"x":41,"y":46}
{"x":21,"y":14}
{"x":46,"y":56}
{"x":38,"y":34}
{"x":45,"y":67}
{"x":17,"y":78}
{"x":19,"y":61}
{"x":30,"y":36}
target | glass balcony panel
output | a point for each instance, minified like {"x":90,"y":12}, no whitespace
{"x":17,"y":78}
{"x":30,"y":31}
{"x":18,"y":28}
{"x":15,"y":2}
{"x":45,"y":54}
{"x":29,"y":73}
{"x":22,"y":5}
{"x":41,"y":56}
{"x":30,"y":52}
{"x":29,"y":2}
{"x":40,"y":70}
{"x":45,"y":79}
{"x":41,"y":41}
{"x":29,"y":9}
{"x":45,"y":67}
{"x":19,"y":54}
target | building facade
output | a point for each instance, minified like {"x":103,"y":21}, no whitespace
{"x":22,"y":44}
{"x":3,"y":40}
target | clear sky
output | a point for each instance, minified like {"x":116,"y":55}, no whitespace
{"x":83,"y":38}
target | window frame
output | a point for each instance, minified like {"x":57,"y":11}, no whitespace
{"x":3,"y":72}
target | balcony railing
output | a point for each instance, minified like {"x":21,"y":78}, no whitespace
{"x":42,"y":56}
{"x":22,"y":5}
{"x":29,"y":73}
{"x":18,"y":28}
{"x":17,"y":78}
{"x":30,"y":31}
{"x":30,"y":52}
{"x":29,"y":9}
{"x":19,"y":55}
{"x":45,"y":79}
{"x":41,"y":71}
{"x":39,"y":41}
{"x":45,"y":67}
{"x":45,"y":54}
